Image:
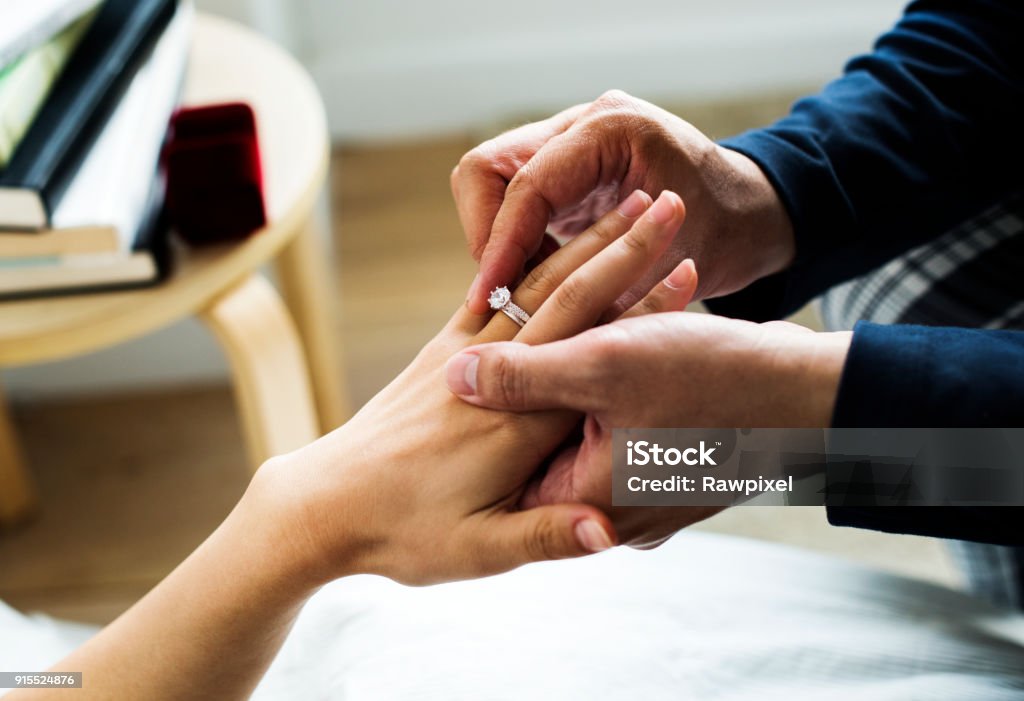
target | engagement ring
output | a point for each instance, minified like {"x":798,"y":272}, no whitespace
{"x":501,"y":300}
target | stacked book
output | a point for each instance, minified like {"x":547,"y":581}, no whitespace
{"x":87,"y":90}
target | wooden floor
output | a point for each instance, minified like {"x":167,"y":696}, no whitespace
{"x":131,"y":484}
{"x":403,"y":264}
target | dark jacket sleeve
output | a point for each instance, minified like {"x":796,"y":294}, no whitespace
{"x":914,"y":138}
{"x":925,"y":377}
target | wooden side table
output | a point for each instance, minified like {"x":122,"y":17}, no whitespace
{"x":284,"y":356}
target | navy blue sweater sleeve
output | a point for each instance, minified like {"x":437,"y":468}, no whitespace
{"x":914,"y":376}
{"x":915,"y":137}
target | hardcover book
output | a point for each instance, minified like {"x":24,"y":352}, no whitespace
{"x":28,"y":23}
{"x":43,"y":166}
{"x":117,"y":196}
{"x":25,"y":84}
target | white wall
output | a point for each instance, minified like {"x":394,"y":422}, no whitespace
{"x":399,"y":68}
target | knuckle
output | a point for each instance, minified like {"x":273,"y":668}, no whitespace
{"x":468,"y":161}
{"x":542,"y":280}
{"x":609,"y":227}
{"x":543,"y":540}
{"x":614,"y":98}
{"x":507,"y":382}
{"x":618,"y":112}
{"x":496,"y":157}
{"x":608,"y":345}
{"x":575,"y":295}
{"x":474,"y":160}
{"x":650,"y":304}
{"x":523,"y":180}
{"x":635,"y":243}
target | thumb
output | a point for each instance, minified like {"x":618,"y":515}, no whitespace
{"x":517,"y":377}
{"x":547,"y":533}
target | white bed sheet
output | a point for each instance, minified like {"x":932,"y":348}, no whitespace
{"x":703,"y":617}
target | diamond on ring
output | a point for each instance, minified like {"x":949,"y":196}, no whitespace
{"x":501,"y":300}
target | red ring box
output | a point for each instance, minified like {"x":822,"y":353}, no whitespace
{"x":214,"y":174}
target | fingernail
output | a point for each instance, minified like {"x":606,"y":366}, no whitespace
{"x":634,"y":205}
{"x":680,"y":277}
{"x":663,"y":209}
{"x":592,"y":537}
{"x":460,"y":374}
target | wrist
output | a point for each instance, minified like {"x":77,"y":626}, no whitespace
{"x":292,"y":530}
{"x":758,"y":222}
{"x":823,"y":370}
{"x":799,"y":373}
{"x":269,"y":551}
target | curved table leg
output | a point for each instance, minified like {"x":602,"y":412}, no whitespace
{"x":305,"y":278}
{"x":271,"y":380}
{"x":17,"y":495}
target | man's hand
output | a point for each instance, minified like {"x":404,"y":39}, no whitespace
{"x":662,"y":370}
{"x":567,"y":171}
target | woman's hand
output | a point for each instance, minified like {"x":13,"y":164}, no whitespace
{"x":422,"y":487}
{"x":419,"y":486}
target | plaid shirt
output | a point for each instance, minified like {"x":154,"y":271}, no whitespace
{"x":972,"y":276}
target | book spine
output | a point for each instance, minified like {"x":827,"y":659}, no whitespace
{"x":25,"y":85}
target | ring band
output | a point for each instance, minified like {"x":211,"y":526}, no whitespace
{"x":516,"y":314}
{"x":501,"y":300}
